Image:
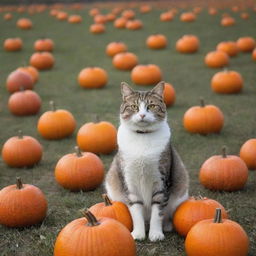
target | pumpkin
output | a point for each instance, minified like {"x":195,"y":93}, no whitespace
{"x":61,"y":15}
{"x":44,"y":45}
{"x":42,"y":60}
{"x":100,"y":19}
{"x":19,"y":79}
{"x":113,"y":209}
{"x":166,"y":16}
{"x":98,"y":138}
{"x":188,"y":17}
{"x":117,"y":10}
{"x":254,"y":54}
{"x":94,"y":11}
{"x":114,"y":48}
{"x":216,"y":59}
{"x":32,"y":71}
{"x":8,"y":16}
{"x":97,"y":28}
{"x":227,"y":81}
{"x":228,"y":47}
{"x":134,"y":24}
{"x":188,"y":44}
{"x":125,"y":61}
{"x":24,"y":23}
{"x":212,"y":11}
{"x":217,"y":237}
{"x":13,"y":44}
{"x":22,"y":205}
{"x":224,"y":172}
{"x":245,"y":15}
{"x":203,"y":119}
{"x":21,"y":151}
{"x":145,"y":8}
{"x":54,"y":12}
{"x":128,"y":14}
{"x":156,"y":41}
{"x":56,"y":123}
{"x":79,"y":171}
{"x":75,"y":19}
{"x":92,"y":77}
{"x":169,"y":94}
{"x":235,"y":8}
{"x":227,"y":21}
{"x":194,"y":210}
{"x":246,"y":44}
{"x":248,"y":153}
{"x":146,"y":74}
{"x":197,"y":10}
{"x":94,"y":237}
{"x":23,"y":103}
{"x":120,"y":22}
{"x":110,"y":17}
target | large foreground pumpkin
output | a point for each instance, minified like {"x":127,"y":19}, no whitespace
{"x":94,"y":237}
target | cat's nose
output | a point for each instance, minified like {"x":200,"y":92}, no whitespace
{"x":142,"y":116}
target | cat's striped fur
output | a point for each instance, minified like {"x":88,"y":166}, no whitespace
{"x":147,"y":173}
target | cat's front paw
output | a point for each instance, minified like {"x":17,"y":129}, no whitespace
{"x":156,"y":236}
{"x":138,"y":235}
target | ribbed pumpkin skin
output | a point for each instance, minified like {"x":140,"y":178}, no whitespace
{"x":203,"y":120}
{"x":118,"y":211}
{"x":98,"y":138}
{"x":207,"y":238}
{"x":246,"y":44}
{"x":228,"y":47}
{"x":188,"y":44}
{"x":22,"y":207}
{"x":216,"y":59}
{"x":169,"y":94}
{"x":22,"y":152}
{"x":13,"y":44}
{"x":224,"y":173}
{"x":248,"y":153}
{"x":194,"y":210}
{"x":31,"y":71}
{"x":110,"y":238}
{"x":114,"y":48}
{"x":54,"y":125}
{"x":79,"y":173}
{"x":44,"y":45}
{"x":42,"y":60}
{"x":125,"y":61}
{"x":157,"y":41}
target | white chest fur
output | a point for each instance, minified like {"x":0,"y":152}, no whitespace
{"x":141,"y":154}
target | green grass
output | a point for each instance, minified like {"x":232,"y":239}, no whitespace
{"x":75,"y":49}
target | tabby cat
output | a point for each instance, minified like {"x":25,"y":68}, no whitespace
{"x":147,"y":173}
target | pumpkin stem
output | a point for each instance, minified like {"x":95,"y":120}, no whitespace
{"x":217,"y":218}
{"x":106,"y":200}
{"x":20,"y":134}
{"x":78,"y":151}
{"x":92,"y":221}
{"x":52,"y":105}
{"x":224,"y":152}
{"x":202,"y":103}
{"x":19,"y":183}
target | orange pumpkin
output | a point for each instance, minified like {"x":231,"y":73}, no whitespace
{"x":75,"y":19}
{"x":22,"y":205}
{"x":134,"y":24}
{"x":203,"y":119}
{"x":254,"y":54}
{"x":188,"y":44}
{"x":19,"y":79}
{"x":194,"y":210}
{"x":128,"y":14}
{"x":228,"y":47}
{"x":217,"y":237}
{"x":224,"y":172}
{"x":61,"y":15}
{"x":21,"y":151}
{"x":169,"y":94}
{"x":13,"y":44}
{"x":166,"y":16}
{"x":227,"y":81}
{"x":227,"y":21}
{"x":114,"y":48}
{"x":212,"y":11}
{"x":96,"y":237}
{"x":110,"y":17}
{"x":32,"y":71}
{"x":245,"y":15}
{"x":145,"y":8}
{"x":246,"y":44}
{"x":248,"y":153}
{"x":113,"y":209}
{"x":98,"y":138}
{"x":120,"y":22}
{"x":156,"y":41}
{"x":56,"y":124}
{"x":24,"y":103}
{"x":125,"y":61}
{"x":44,"y":45}
{"x":146,"y":74}
{"x":24,"y":23}
{"x":79,"y":171}
{"x":42,"y":60}
{"x":188,"y":17}
{"x":94,"y":11}
{"x":8,"y":16}
{"x":97,"y":28}
{"x":216,"y":59}
{"x":100,"y":19}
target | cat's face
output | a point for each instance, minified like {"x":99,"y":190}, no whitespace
{"x":143,"y":109}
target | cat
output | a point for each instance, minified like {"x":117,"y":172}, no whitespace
{"x":147,"y":173}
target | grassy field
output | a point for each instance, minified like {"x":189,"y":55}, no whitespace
{"x":76,"y":49}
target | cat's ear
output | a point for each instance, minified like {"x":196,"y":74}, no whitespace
{"x":126,"y":90}
{"x":159,"y":89}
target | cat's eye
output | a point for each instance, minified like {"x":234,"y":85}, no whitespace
{"x":152,"y":106}
{"x":134,"y":107}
